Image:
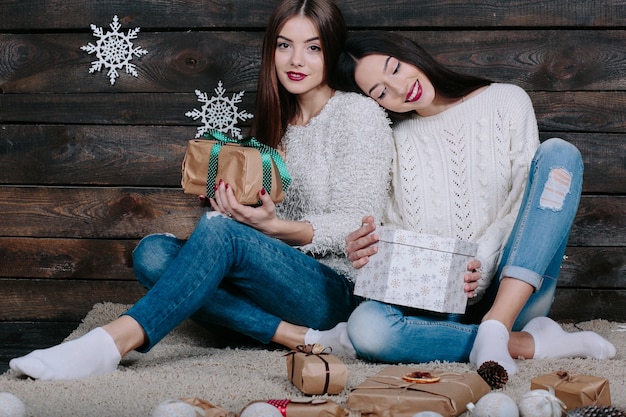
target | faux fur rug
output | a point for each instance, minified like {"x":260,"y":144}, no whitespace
{"x":187,"y":364}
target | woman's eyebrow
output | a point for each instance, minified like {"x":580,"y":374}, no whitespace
{"x":369,"y":93}
{"x":316,"y":38}
{"x":386,"y":64}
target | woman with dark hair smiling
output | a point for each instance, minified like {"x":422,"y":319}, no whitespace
{"x":469,"y":166}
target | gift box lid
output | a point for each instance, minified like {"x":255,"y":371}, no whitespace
{"x":427,"y":241}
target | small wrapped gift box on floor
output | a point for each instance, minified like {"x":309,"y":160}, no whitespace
{"x":315,"y":372}
{"x":417,"y":270}
{"x":209,"y":409}
{"x":575,"y":390}
{"x":303,"y":407}
{"x":387,"y":394}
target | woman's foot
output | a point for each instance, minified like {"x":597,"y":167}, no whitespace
{"x":552,"y":342}
{"x":93,"y":354}
{"x":491,"y":344}
{"x":336,"y":338}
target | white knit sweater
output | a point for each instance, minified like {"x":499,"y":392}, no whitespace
{"x":340,"y":164}
{"x":461,"y":173}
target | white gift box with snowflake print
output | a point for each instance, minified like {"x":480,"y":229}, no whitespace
{"x":417,"y":270}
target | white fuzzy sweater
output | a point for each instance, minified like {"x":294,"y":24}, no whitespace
{"x":462,"y":173}
{"x":340,"y":164}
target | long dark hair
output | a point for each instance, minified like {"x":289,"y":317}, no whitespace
{"x":447,"y":83}
{"x":275,"y":106}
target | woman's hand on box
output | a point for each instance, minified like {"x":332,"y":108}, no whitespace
{"x":226,"y":203}
{"x":472,"y":277}
{"x":360,"y":243}
{"x":263,"y":217}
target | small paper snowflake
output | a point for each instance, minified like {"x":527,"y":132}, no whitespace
{"x":114,"y":50}
{"x":219,"y":112}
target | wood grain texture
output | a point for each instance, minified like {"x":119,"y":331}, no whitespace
{"x":99,"y":213}
{"x":152,"y":155}
{"x":549,"y":60}
{"x":67,"y":258}
{"x":131,"y":213}
{"x":61,"y":300}
{"x":582,"y":305}
{"x":64,"y":300}
{"x":253,"y":14}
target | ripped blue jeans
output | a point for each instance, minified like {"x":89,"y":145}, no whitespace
{"x":534,"y":254}
{"x":234,"y":276}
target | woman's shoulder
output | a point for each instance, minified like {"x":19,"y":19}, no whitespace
{"x":507,"y":90}
{"x":350,"y":101}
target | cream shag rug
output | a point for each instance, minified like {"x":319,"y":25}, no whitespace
{"x":185,"y":365}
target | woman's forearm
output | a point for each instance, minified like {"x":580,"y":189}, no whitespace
{"x":295,"y":233}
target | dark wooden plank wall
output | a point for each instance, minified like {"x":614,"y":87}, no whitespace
{"x":88,"y":168}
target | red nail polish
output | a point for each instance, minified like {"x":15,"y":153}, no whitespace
{"x":221,"y":181}
{"x":263,"y":191}
{"x":215,"y":187}
{"x":227,"y":186}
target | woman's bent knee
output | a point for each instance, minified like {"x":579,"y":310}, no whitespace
{"x":370,"y":330}
{"x":152,"y":255}
{"x":562,"y":149}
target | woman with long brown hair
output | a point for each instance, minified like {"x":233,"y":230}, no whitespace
{"x":276,"y":273}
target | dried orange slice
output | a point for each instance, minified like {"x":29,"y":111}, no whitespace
{"x":420,"y":377}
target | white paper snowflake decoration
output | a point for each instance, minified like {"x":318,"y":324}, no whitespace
{"x":114,"y":50}
{"x":219,"y":113}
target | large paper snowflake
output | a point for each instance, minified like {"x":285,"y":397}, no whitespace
{"x":114,"y":50}
{"x":219,"y":112}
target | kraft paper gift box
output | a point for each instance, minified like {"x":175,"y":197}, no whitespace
{"x":386,"y":394}
{"x":575,"y":390}
{"x":417,"y":270}
{"x":306,"y":407}
{"x":316,"y":374}
{"x":245,"y":164}
{"x":208,"y":409}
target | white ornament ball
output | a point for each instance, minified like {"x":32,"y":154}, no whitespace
{"x":176,"y":408}
{"x":11,"y":406}
{"x":540,"y":403}
{"x":261,"y":409}
{"x":494,"y":404}
{"x":427,"y":414}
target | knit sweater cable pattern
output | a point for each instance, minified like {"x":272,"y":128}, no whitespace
{"x":461,"y":173}
{"x":340,"y":164}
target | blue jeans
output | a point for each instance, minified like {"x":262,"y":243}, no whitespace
{"x":534,"y":253}
{"x":234,"y":276}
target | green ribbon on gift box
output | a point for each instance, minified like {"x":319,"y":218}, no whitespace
{"x":268,"y":155}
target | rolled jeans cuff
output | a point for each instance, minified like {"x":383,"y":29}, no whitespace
{"x":523,"y":274}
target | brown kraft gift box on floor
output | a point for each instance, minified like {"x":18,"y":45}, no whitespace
{"x":306,"y":407}
{"x":209,"y":409}
{"x":575,"y":390}
{"x":316,"y":374}
{"x":386,"y":394}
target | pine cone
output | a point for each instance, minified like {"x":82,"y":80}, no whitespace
{"x":494,"y":374}
{"x":595,"y":411}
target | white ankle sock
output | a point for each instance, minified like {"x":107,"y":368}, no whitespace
{"x":93,"y":354}
{"x":552,"y":342}
{"x":492,"y":344}
{"x":335,"y":338}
